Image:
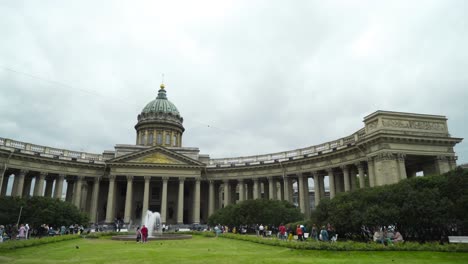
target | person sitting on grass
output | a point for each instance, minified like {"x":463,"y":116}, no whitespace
{"x":397,"y":238}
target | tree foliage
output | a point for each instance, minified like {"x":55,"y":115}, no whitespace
{"x":258,"y":211}
{"x":40,"y":210}
{"x":422,"y":208}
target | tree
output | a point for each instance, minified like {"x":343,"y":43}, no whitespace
{"x":40,"y":210}
{"x":258,"y":211}
{"x":422,"y":208}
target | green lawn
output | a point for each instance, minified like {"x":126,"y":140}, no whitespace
{"x":206,"y":250}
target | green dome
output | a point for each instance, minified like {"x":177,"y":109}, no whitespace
{"x":161,"y":105}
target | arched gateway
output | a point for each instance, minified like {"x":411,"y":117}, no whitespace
{"x":159,"y":174}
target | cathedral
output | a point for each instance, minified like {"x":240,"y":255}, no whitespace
{"x":158,"y":173}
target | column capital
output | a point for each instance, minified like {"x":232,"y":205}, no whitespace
{"x":42,"y":174}
{"x":401,"y":156}
{"x":385,"y":156}
{"x":62,"y":175}
{"x":442,"y":158}
{"x":240,"y":181}
{"x":165,"y":178}
{"x":23,"y":172}
{"x":79,"y":178}
{"x":255,"y":179}
{"x":197,"y":180}
{"x":329,"y":171}
{"x":97,"y":179}
{"x":359,"y":165}
{"x":129,"y":178}
{"x":112,"y":177}
{"x":181,"y":179}
{"x":344,"y":167}
{"x":147,"y":178}
{"x":226,"y":181}
{"x":315,"y":173}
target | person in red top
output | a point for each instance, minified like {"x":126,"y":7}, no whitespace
{"x":282,"y":231}
{"x":144,"y":234}
{"x":299,"y":233}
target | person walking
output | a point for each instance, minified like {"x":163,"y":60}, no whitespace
{"x":138,"y":235}
{"x":22,"y":232}
{"x":144,"y":234}
{"x":299,"y":233}
{"x":282,"y":232}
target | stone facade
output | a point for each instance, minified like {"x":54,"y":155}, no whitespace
{"x":186,"y":186}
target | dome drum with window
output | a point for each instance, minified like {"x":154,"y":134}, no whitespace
{"x":160,"y":123}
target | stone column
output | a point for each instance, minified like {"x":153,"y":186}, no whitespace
{"x":226,"y":191}
{"x":241,"y":190}
{"x":362,"y":183}
{"x":271,"y":188}
{"x":27,"y":186}
{"x":352,"y":178}
{"x":49,"y":185}
{"x":248,"y":191}
{"x":110,"y":200}
{"x":146,"y":196}
{"x":286,"y":188}
{"x":280,"y":193}
{"x":256,"y":189}
{"x":39,"y":185}
{"x":370,"y":171}
{"x":452,"y":162}
{"x":347,"y":185}
{"x":306,"y":195}
{"x":4,"y":184}
{"x":84,"y":197}
{"x":180,"y":205}
{"x":196,"y":202}
{"x":300,"y":195}
{"x":19,"y":187}
{"x":322,"y":186}
{"x":211,"y":198}
{"x":77,"y":195}
{"x":70,"y":187}
{"x":59,"y":186}
{"x":331,"y":178}
{"x":316,"y":188}
{"x":94,"y":200}
{"x":128,"y":200}
{"x":164,"y":200}
{"x":401,"y":166}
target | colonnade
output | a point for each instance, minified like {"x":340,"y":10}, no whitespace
{"x":108,"y":193}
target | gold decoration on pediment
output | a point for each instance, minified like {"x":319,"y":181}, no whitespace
{"x":157,"y":158}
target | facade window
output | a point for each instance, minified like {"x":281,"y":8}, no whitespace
{"x":175,"y":140}
{"x":159,"y":141}
{"x":168,"y":139}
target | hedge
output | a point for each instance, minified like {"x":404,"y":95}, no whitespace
{"x":14,"y":244}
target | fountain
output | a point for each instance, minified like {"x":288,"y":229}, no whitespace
{"x":152,"y":221}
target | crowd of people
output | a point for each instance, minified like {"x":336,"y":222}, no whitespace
{"x":284,"y":232}
{"x":24,"y":231}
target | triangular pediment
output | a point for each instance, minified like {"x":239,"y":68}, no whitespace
{"x":156,"y":156}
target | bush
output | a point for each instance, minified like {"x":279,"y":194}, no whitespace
{"x":344,"y":245}
{"x":14,"y":244}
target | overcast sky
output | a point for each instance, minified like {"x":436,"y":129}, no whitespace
{"x":249,"y":77}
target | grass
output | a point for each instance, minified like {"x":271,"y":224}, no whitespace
{"x":206,"y":250}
